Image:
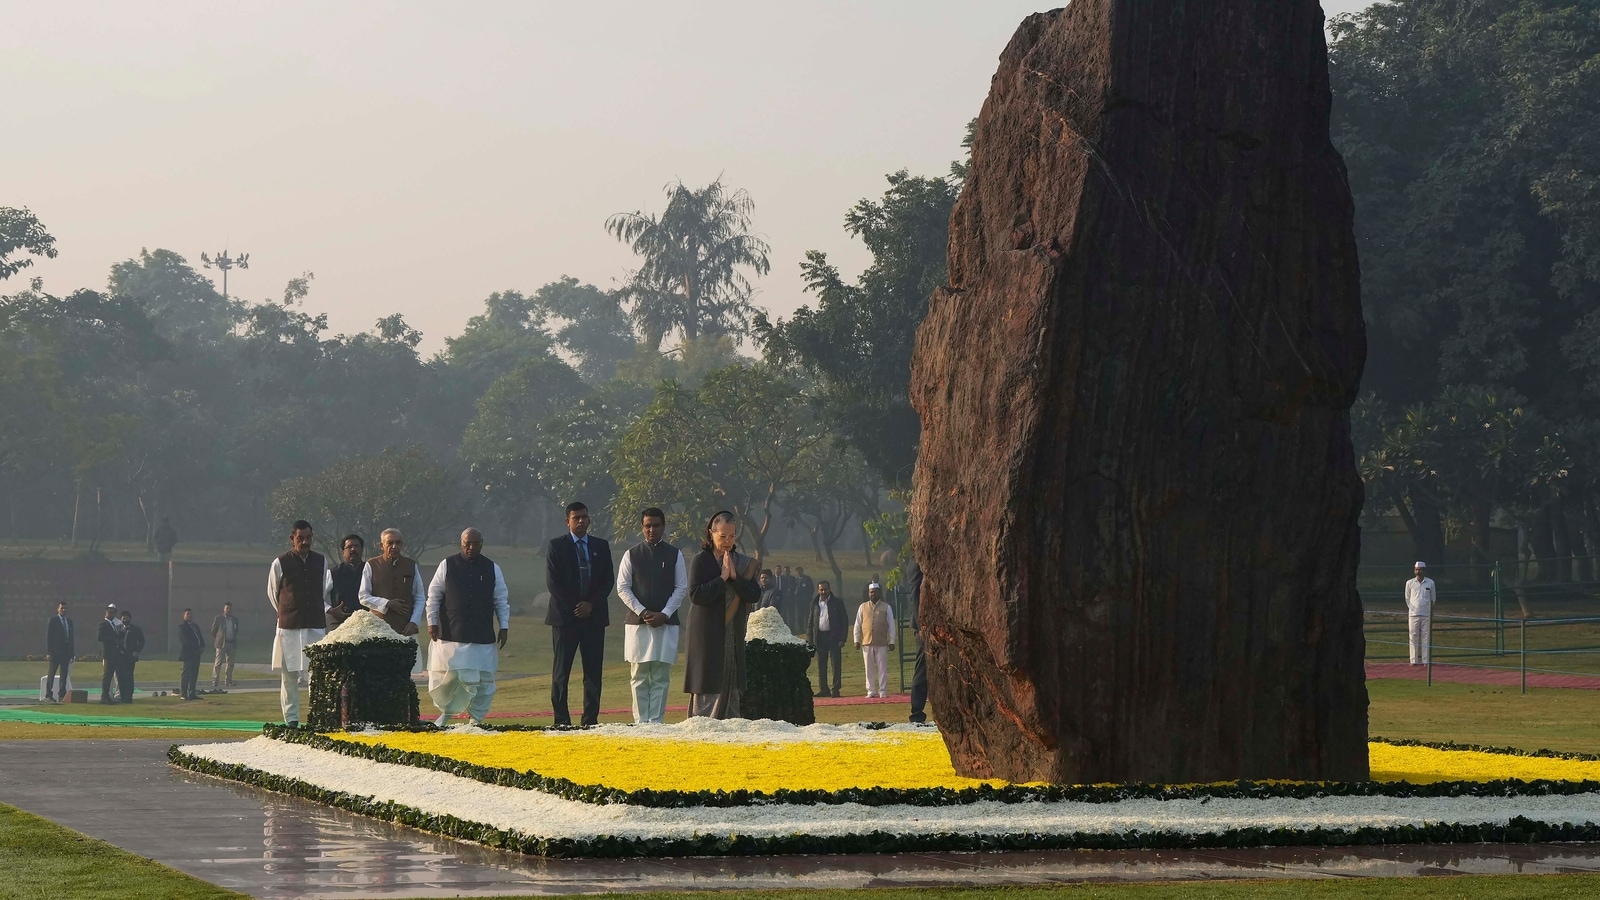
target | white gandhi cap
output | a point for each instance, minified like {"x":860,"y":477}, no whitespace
{"x":1420,"y":565}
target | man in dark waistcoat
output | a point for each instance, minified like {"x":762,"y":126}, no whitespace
{"x":469,"y":620}
{"x":392,"y":587}
{"x":347,"y":580}
{"x":579,"y":577}
{"x":652,"y":583}
{"x":298,"y":586}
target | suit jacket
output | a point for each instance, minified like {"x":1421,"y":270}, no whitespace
{"x":219,"y":637}
{"x":190,"y":640}
{"x":132,"y":643}
{"x":838,"y":625}
{"x":561,"y":580}
{"x":110,"y":641}
{"x":61,"y":643}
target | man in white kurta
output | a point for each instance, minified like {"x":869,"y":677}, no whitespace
{"x":392,"y":587}
{"x":467,"y":598}
{"x":299,"y":587}
{"x":874,"y":634}
{"x":652,"y":582}
{"x":1420,"y":594}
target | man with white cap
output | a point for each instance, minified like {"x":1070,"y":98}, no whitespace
{"x":466,"y":600}
{"x":874,"y":637}
{"x":1420,"y":594}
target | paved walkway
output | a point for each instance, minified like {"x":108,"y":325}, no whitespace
{"x":273,"y":846}
{"x":1456,"y":674}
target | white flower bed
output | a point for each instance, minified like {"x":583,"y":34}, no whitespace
{"x":768,"y":625}
{"x":540,"y":815}
{"x":757,"y":731}
{"x":363,"y":625}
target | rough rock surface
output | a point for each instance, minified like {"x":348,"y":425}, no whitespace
{"x":1136,"y":498}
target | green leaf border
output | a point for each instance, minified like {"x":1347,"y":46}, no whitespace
{"x":1244,"y":789}
{"x":1518,"y":831}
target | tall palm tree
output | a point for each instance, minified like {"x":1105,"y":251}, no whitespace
{"x":693,"y":261}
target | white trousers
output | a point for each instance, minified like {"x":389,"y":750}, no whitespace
{"x":649,"y":683}
{"x":289,"y":695}
{"x":458,"y":689}
{"x":1421,"y":632}
{"x":876,"y":658}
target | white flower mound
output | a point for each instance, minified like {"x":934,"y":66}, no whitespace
{"x":537,"y":814}
{"x":759,"y":731}
{"x":363,"y":626}
{"x":768,"y":625}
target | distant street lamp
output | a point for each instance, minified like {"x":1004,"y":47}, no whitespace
{"x":225,"y":262}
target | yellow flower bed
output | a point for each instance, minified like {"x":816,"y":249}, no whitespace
{"x":894,"y":760}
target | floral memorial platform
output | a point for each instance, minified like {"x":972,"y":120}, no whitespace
{"x":742,"y":787}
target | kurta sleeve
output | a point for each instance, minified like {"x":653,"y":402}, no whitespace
{"x":502,"y":598}
{"x":893,"y":633}
{"x":274,"y":580}
{"x":327,"y":588}
{"x":436,"y":592}
{"x":856,"y":631}
{"x":680,"y":587}
{"x":378,"y":605}
{"x":625,"y":585}
{"x":419,"y":596}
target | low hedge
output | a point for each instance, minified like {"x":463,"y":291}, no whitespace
{"x":1519,"y":830}
{"x":876,"y":796}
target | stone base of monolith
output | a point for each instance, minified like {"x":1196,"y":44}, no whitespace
{"x":1136,"y":499}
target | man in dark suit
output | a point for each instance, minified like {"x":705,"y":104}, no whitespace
{"x":579,"y":577}
{"x":59,"y":643}
{"x":828,"y":630}
{"x":132,"y":646}
{"x":110,"y":638}
{"x":190,"y":643}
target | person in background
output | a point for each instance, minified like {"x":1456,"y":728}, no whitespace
{"x":579,"y":577}
{"x":165,"y":539}
{"x":110,"y":638}
{"x":771,"y":594}
{"x":61,"y":645}
{"x":874,"y":637}
{"x":298,"y":587}
{"x":826,"y":632}
{"x":225,"y":642}
{"x":919,"y":669}
{"x":1420,"y":594}
{"x":805,"y":589}
{"x":652,"y":582}
{"x":132,"y":646}
{"x":722,"y":591}
{"x":191,"y":643}
{"x":347,"y":580}
{"x":467,"y":599}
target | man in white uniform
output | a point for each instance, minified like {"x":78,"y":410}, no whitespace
{"x":391,"y":586}
{"x":652,"y":583}
{"x":1420,"y":594}
{"x":874,"y":636}
{"x":466,"y":600}
{"x":298,"y":587}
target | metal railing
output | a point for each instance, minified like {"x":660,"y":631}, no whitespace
{"x":1462,"y":645}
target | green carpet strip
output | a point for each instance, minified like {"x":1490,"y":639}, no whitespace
{"x":49,"y":718}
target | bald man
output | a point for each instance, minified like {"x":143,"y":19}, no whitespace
{"x":466,"y":600}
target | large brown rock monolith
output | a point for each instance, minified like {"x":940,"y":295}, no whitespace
{"x":1136,"y":498}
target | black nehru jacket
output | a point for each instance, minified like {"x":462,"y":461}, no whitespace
{"x":300,"y":592}
{"x":347,"y":587}
{"x":655,"y":577}
{"x":467,"y":614}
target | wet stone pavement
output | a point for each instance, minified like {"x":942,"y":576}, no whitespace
{"x":272,"y":846}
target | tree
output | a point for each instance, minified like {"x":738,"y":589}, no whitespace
{"x":594,"y":328}
{"x":692,"y":262}
{"x":836,"y":487}
{"x":504,"y":445}
{"x":21,"y":230}
{"x":402,"y":487}
{"x":738,"y":442}
{"x":857,"y":342}
{"x":182,"y":301}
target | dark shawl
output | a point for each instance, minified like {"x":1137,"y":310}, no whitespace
{"x":707,"y":627}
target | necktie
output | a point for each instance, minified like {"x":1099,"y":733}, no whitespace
{"x":583,"y":566}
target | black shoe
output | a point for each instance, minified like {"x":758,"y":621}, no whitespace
{"x":822,"y":694}
{"x":919,"y":718}
{"x":836,"y":693}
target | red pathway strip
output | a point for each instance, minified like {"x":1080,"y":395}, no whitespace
{"x":1456,"y":674}
{"x":891,"y":700}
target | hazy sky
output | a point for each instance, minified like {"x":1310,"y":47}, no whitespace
{"x":417,"y":157}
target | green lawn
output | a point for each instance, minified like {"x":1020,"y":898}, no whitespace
{"x":44,"y":860}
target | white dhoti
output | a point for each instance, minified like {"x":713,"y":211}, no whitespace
{"x":1421,"y":628}
{"x":650,"y":652}
{"x":461,"y":677}
{"x":876,"y":659}
{"x":289,"y":661}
